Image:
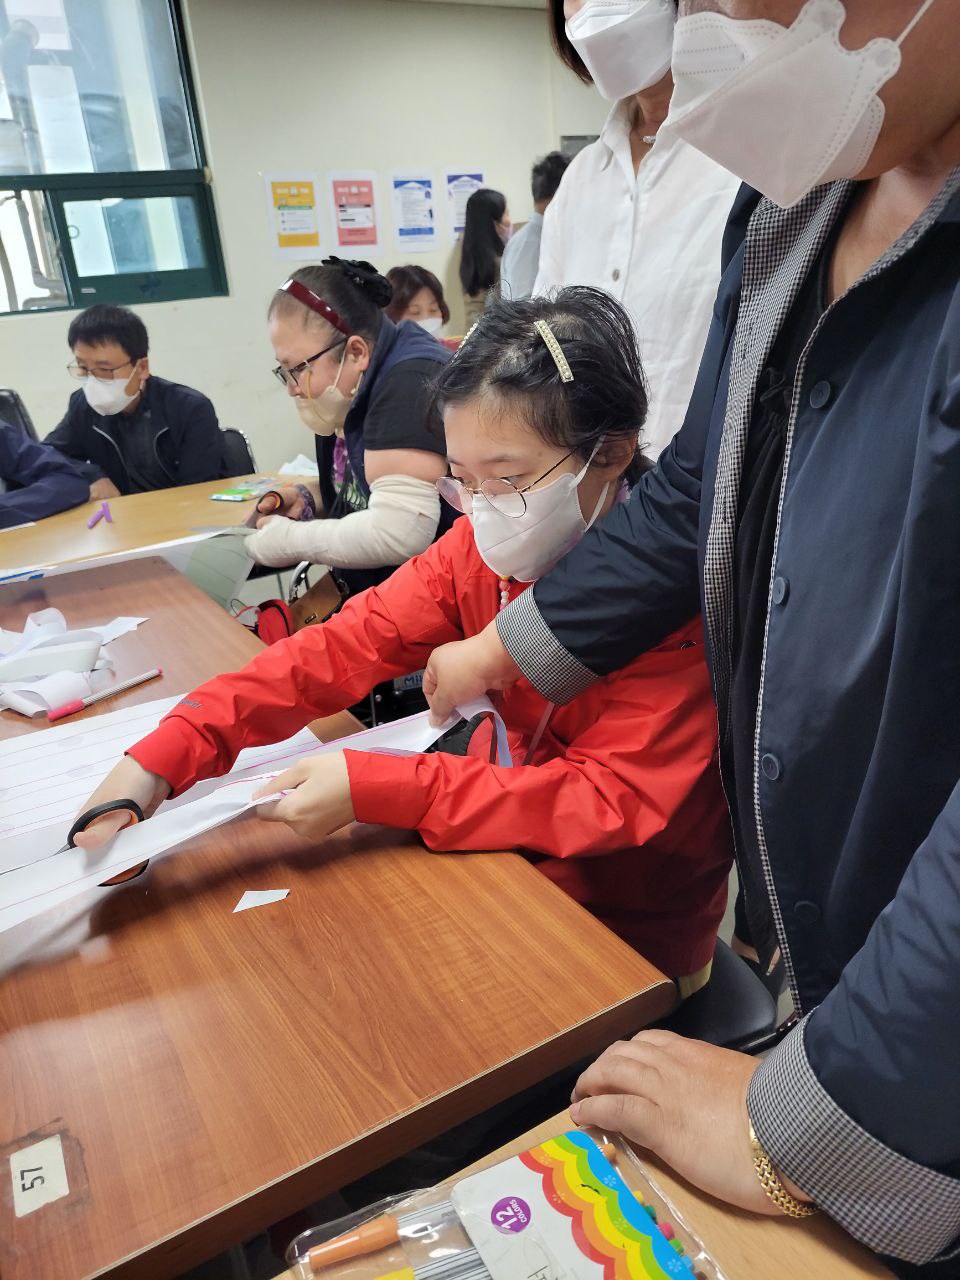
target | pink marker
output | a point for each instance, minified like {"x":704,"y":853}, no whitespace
{"x":78,"y":704}
{"x":105,"y":507}
{"x":95,"y":518}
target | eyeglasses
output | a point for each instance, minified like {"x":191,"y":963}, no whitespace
{"x":77,"y":370}
{"x":291,"y":377}
{"x":502,"y":494}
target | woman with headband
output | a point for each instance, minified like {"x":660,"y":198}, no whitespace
{"x":359,"y":383}
{"x":615,"y":796}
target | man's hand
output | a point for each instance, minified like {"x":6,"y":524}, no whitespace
{"x":466,"y":669}
{"x":103,"y":488}
{"x":686,"y":1102}
{"x":319,"y":802}
{"x":126,"y":781}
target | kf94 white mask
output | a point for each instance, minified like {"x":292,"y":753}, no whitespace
{"x":525,"y":547}
{"x":107,"y":396}
{"x":432,"y":324}
{"x":624,"y":44}
{"x":784,"y":108}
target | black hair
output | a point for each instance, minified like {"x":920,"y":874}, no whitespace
{"x":505,"y":357}
{"x":546,"y":175}
{"x":406,"y":283}
{"x":561,"y":41}
{"x":355,"y":290}
{"x":482,"y":245}
{"x":105,"y":323}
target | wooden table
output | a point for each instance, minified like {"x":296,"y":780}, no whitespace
{"x":139,"y":520}
{"x":208,"y":1073}
{"x":745,"y":1246}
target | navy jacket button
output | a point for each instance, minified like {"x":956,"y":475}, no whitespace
{"x":806,"y":912}
{"x":781,"y":589}
{"x":770,"y":767}
{"x":821,"y":394}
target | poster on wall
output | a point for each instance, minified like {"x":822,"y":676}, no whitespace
{"x":460,"y":185}
{"x":414,"y":211}
{"x":354,"y":208}
{"x":292,"y":209}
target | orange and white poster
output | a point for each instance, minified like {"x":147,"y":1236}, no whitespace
{"x":294,"y":219}
{"x":354,"y":203}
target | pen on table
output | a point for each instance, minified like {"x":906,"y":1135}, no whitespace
{"x":78,"y":704}
{"x":380,"y":1233}
{"x":106,"y":512}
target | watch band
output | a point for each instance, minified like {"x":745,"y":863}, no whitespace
{"x":772,"y":1186}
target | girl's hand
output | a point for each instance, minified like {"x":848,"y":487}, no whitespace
{"x":457,"y":673}
{"x":125,"y":781}
{"x":319,"y":802}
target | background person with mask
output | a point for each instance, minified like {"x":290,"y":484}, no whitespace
{"x":130,"y":430}
{"x":418,"y":296}
{"x":359,"y":383}
{"x":810,"y":503}
{"x":616,"y":795}
{"x":521,"y":257}
{"x":486,"y":230}
{"x":638,"y":214}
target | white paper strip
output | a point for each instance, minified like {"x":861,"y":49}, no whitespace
{"x":260,"y":898}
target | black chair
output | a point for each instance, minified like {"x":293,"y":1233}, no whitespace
{"x":238,"y":457}
{"x":734,"y":1010}
{"x":14,"y":411}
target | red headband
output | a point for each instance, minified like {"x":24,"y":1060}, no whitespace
{"x":317,"y":304}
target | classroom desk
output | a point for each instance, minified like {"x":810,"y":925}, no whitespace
{"x":208,"y":1073}
{"x":139,"y":520}
{"x":745,"y":1246}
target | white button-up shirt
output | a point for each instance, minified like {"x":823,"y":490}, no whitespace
{"x":652,"y":240}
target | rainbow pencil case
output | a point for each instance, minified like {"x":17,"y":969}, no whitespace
{"x":572,"y":1208}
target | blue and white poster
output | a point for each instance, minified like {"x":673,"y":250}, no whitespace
{"x":414,"y":211}
{"x":460,"y":184}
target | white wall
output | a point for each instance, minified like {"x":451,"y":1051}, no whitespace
{"x":322,"y":85}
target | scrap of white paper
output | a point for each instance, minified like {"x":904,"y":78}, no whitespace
{"x":259,"y":898}
{"x":36,"y":697}
{"x":39,"y":1175}
{"x":48,"y":777}
{"x":47,"y":645}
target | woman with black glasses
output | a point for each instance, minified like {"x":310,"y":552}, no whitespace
{"x":359,"y":383}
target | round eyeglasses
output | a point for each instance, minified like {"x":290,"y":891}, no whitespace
{"x":104,"y":374}
{"x":502,"y":494}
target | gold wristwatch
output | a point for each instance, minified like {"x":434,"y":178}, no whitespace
{"x":773,"y":1187}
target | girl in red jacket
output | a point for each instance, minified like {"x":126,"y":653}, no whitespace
{"x":616,"y":795}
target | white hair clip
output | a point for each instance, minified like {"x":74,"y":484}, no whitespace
{"x":555,"y":349}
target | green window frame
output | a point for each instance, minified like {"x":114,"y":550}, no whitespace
{"x":130,"y":286}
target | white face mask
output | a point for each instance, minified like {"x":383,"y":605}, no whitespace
{"x":326,"y":413}
{"x":624,"y":44}
{"x":526,"y":547}
{"x":107,"y":396}
{"x":432,"y":324}
{"x":784,"y":108}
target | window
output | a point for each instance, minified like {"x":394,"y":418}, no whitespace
{"x":103,"y":192}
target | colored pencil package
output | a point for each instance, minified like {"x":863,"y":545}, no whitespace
{"x":574,"y":1207}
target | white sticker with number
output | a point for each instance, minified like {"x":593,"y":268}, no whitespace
{"x":39,"y":1175}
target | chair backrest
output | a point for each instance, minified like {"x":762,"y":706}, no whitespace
{"x":14,"y":411}
{"x":237,"y":455}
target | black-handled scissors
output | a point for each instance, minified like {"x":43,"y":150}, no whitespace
{"x":98,"y":811}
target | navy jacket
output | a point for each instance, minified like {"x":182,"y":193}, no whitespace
{"x":37,"y":480}
{"x":187,"y":436}
{"x":858,"y":745}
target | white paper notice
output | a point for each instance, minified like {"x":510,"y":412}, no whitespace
{"x":39,"y":1175}
{"x":414,"y":212}
{"x":460,"y":184}
{"x":260,"y":898}
{"x":47,"y":777}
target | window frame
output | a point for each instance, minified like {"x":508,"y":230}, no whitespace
{"x":137,"y":288}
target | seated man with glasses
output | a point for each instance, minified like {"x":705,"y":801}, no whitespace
{"x":129,"y":430}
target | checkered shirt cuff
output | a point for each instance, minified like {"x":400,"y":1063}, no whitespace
{"x":549,"y":667}
{"x":889,"y":1202}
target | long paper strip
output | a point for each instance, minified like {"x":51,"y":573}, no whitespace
{"x":35,"y":875}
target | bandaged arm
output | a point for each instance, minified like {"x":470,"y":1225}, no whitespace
{"x":400,"y":521}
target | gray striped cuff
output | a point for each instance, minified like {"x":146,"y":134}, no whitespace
{"x":549,"y":667}
{"x":889,"y":1202}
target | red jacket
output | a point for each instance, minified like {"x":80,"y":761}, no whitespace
{"x":623,"y":808}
